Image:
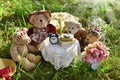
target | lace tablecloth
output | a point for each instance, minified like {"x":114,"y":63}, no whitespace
{"x":59,"y":56}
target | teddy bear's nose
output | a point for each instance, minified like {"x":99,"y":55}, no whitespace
{"x":87,"y":39}
{"x":40,"y":20}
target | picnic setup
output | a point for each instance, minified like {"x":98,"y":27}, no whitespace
{"x":59,"y":45}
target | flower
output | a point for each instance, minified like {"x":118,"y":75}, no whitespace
{"x":95,"y":52}
{"x":101,"y":46}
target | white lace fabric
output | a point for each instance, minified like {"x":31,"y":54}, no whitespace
{"x":59,"y":56}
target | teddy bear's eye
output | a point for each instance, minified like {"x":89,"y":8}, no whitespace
{"x":90,"y":35}
{"x":87,"y":39}
{"x":41,"y":20}
{"x":72,"y":28}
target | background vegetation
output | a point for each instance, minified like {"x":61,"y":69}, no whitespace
{"x":13,"y":14}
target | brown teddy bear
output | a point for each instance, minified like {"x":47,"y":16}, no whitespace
{"x":19,"y":50}
{"x":99,"y":30}
{"x":79,"y":32}
{"x":92,"y":36}
{"x":41,"y":28}
{"x":97,"y":25}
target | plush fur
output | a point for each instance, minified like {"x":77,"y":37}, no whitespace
{"x":92,"y":36}
{"x":79,"y":32}
{"x":41,"y":28}
{"x":19,"y":50}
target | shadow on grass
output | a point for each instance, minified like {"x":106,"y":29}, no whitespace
{"x":4,"y":51}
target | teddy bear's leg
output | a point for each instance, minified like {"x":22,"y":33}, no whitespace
{"x":35,"y":59}
{"x":27,"y":65}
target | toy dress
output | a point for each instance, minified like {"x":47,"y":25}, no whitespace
{"x":39,"y":36}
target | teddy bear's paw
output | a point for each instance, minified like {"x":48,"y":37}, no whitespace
{"x":27,"y":65}
{"x":30,"y":57}
{"x":33,"y":58}
{"x":32,"y":48}
{"x":37,"y":59}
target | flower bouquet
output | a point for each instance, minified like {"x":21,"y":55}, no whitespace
{"x":95,"y":53}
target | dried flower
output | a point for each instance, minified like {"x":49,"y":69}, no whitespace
{"x":95,"y":52}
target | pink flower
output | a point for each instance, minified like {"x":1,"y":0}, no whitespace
{"x":96,"y":52}
{"x":101,"y":45}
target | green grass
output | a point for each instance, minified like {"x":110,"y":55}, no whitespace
{"x":13,"y":14}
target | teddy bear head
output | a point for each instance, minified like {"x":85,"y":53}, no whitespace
{"x":39,"y":19}
{"x":92,"y":36}
{"x":20,"y":37}
{"x":72,"y":26}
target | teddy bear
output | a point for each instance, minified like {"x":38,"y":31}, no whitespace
{"x":19,"y":50}
{"x":92,"y":36}
{"x":76,"y":29}
{"x":99,"y":30}
{"x":40,"y":28}
{"x":97,"y":25}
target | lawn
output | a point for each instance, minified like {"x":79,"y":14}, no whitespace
{"x":13,"y":14}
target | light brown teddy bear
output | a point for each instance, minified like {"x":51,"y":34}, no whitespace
{"x":40,"y":28}
{"x":19,"y":50}
{"x":92,"y":36}
{"x":79,"y":32}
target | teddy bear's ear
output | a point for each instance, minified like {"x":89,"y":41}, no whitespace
{"x":47,"y":14}
{"x":31,"y":19}
{"x":66,"y":23}
{"x":30,"y":16}
{"x":79,"y":25}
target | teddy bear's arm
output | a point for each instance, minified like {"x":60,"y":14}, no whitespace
{"x":30,"y":31}
{"x":51,"y":28}
{"x":14,"y":53}
{"x":84,"y":34}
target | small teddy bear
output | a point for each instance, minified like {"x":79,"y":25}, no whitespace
{"x":97,"y":25}
{"x":41,"y":28}
{"x":76,"y":29}
{"x":19,"y":50}
{"x":99,"y":30}
{"x":92,"y":36}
